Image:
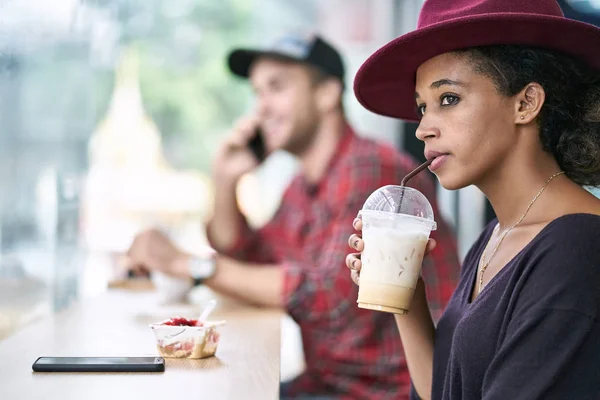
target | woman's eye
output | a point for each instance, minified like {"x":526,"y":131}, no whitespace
{"x":449,"y":99}
{"x":445,"y":100}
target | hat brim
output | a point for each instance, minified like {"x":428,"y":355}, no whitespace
{"x":240,"y":60}
{"x":385,"y":83}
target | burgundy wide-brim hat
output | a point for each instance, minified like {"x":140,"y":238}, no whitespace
{"x":385,"y":83}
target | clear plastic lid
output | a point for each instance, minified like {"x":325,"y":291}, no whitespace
{"x":399,"y":200}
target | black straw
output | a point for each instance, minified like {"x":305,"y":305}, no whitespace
{"x":416,"y":171}
{"x":409,"y":177}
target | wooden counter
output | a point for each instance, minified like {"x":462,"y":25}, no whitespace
{"x":246,"y":366}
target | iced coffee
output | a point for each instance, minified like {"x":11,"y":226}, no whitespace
{"x":395,"y":235}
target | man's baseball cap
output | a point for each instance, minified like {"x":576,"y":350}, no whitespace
{"x":308,"y":49}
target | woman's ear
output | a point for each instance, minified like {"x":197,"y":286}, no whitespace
{"x":529,"y":102}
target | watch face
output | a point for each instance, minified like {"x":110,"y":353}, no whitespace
{"x":201,"y":269}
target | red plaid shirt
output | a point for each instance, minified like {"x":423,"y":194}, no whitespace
{"x":350,"y":352}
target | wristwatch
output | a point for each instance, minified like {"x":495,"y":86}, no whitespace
{"x":201,"y":269}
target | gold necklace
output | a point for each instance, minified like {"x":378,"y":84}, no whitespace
{"x":484,"y":264}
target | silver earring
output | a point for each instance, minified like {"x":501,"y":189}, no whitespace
{"x":522,"y":117}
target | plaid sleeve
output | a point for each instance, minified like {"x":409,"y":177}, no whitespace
{"x":321,"y":290}
{"x":250,"y":245}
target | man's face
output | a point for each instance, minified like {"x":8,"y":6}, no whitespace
{"x":286,"y":105}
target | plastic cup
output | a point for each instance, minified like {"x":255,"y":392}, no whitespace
{"x":397,"y":222}
{"x":187,"y":341}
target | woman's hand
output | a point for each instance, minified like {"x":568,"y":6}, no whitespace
{"x":355,"y":241}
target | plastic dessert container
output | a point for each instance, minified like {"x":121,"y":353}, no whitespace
{"x":182,"y":338}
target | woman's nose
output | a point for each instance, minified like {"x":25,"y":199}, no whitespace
{"x":426,"y":131}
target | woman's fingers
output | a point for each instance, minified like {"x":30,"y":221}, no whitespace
{"x":357,"y":224}
{"x":431,"y":243}
{"x":356,"y":242}
{"x":355,"y":277}
{"x":353,"y":261}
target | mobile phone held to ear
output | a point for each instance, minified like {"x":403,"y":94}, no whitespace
{"x":257,"y":146}
{"x":99,"y":364}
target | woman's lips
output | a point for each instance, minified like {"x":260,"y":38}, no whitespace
{"x":438,"y":162}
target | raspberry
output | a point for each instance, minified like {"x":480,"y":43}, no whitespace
{"x":181,"y":321}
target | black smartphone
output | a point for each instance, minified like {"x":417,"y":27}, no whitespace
{"x":257,"y":146}
{"x":99,"y":364}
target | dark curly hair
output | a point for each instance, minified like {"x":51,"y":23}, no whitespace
{"x":569,"y":121}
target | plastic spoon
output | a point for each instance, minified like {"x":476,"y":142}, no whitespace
{"x":207,"y":310}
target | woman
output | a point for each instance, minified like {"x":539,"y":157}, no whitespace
{"x":508,"y":97}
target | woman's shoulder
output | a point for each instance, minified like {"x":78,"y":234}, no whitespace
{"x":571,"y":240}
{"x":571,"y":231}
{"x":561,"y":266}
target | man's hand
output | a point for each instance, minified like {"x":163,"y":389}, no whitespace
{"x":153,"y":250}
{"x":234,"y":157}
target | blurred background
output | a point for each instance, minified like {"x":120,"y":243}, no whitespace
{"x":111,"y":111}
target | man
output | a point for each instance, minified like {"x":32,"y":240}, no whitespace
{"x":296,"y":262}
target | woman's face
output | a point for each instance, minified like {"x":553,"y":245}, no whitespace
{"x":466,"y":124}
